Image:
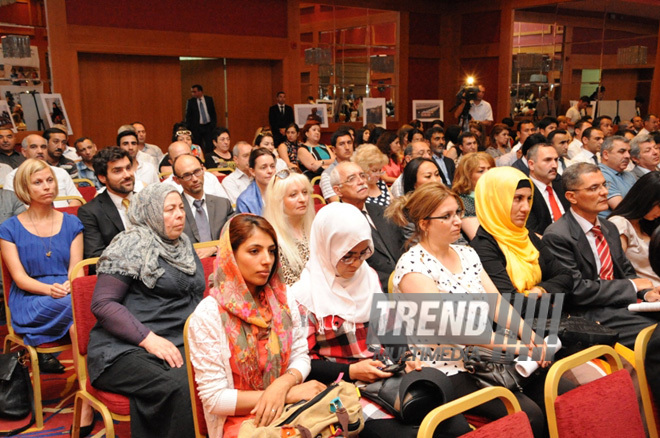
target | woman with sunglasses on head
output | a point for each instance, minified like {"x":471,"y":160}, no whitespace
{"x":636,"y":217}
{"x":262,"y":168}
{"x":247,"y":343}
{"x":435,"y":265}
{"x":290,"y":210}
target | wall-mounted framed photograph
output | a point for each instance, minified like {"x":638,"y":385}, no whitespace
{"x":307,"y":112}
{"x":374,"y":111}
{"x":6,"y":120}
{"x":55,"y":112}
{"x":330,"y":104}
{"x":428,"y":110}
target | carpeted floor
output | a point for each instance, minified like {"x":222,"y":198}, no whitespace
{"x":58,"y":393}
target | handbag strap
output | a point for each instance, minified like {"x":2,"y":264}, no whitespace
{"x":25,"y":373}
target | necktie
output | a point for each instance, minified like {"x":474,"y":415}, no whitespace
{"x":282,"y":109}
{"x":595,"y":158}
{"x":202,"y":111}
{"x":563,"y":164}
{"x":606,"y":266}
{"x":202,"y":221}
{"x":556,"y":211}
{"x":126,"y":203}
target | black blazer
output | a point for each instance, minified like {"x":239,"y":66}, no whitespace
{"x":192,"y":113}
{"x":540,"y":216}
{"x":451,"y":169}
{"x":520,"y":165}
{"x":554,"y":278}
{"x":219,"y":211}
{"x":605,"y":301}
{"x":278,"y":121}
{"x":388,"y":244}
{"x":102,"y":223}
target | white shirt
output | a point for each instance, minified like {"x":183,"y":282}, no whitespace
{"x":509,"y":158}
{"x":146,"y":172}
{"x":573,"y":114}
{"x":481,"y":111}
{"x":201,"y":103}
{"x":574,"y":148}
{"x":154,"y":151}
{"x":235,"y":183}
{"x":65,"y":185}
{"x":211,"y":185}
{"x":190,"y":200}
{"x":544,"y":193}
{"x":144,"y":157}
{"x":71,"y":153}
{"x":123,"y":214}
{"x":397,"y":186}
{"x":584,"y":157}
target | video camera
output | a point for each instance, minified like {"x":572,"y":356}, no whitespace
{"x":467,"y":93}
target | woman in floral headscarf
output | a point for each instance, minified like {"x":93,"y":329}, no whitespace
{"x":247,"y":344}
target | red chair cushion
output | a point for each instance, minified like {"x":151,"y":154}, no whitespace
{"x":317,"y":190}
{"x":605,"y":407}
{"x":207,"y":264}
{"x":87,"y":192}
{"x":116,"y":403}
{"x":512,"y":425}
{"x":82,"y":291}
{"x":70,"y":210}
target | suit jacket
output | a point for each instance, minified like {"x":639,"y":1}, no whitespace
{"x":388,"y":244}
{"x":540,"y":216}
{"x":278,"y":121}
{"x":518,"y":164}
{"x":638,"y":172}
{"x":102,"y":223}
{"x":605,"y":301}
{"x":451,"y":169}
{"x":219,"y":210}
{"x":192,"y":113}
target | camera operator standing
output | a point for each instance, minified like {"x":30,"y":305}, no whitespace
{"x":480,"y":110}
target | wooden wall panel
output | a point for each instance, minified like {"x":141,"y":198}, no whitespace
{"x":210,"y":74}
{"x":249,"y":95}
{"x":121,"y":89}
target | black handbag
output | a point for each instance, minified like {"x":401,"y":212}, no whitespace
{"x":16,"y":400}
{"x":492,"y":370}
{"x":577,"y":333}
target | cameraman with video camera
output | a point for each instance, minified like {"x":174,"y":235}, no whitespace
{"x":479,"y":110}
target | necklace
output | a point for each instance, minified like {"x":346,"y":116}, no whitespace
{"x":50,"y":240}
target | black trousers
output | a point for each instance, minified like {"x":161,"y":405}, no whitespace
{"x":159,"y":395}
{"x":203,"y":136}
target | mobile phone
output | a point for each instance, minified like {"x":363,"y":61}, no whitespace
{"x":394,"y":368}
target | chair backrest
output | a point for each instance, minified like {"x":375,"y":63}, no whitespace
{"x":87,"y":192}
{"x":316,"y":181}
{"x":6,"y":287}
{"x":82,"y":290}
{"x":316,"y":189}
{"x":71,"y":198}
{"x":516,"y":420}
{"x":201,"y":430}
{"x":605,"y":407}
{"x":207,"y":263}
{"x":225,"y":170}
{"x":73,"y":210}
{"x":648,"y":404}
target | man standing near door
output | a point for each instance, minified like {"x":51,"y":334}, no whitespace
{"x":280,"y":116}
{"x":201,"y":118}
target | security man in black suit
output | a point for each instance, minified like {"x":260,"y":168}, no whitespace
{"x":201,"y":117}
{"x":280,"y":116}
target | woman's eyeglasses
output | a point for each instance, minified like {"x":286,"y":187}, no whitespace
{"x":447,"y":217}
{"x":352,"y":258}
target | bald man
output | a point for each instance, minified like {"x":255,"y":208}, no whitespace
{"x":211,"y":184}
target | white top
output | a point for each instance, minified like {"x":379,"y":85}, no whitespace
{"x":637,"y":251}
{"x":71,"y":153}
{"x":146,"y":172}
{"x":573,"y":114}
{"x":544,"y":193}
{"x":574,"y":148}
{"x":510,"y":157}
{"x":420,"y":261}
{"x":65,"y":185}
{"x":210,"y":355}
{"x":584,"y":156}
{"x":326,"y":187}
{"x":481,"y":111}
{"x":211,"y":185}
{"x":123,"y":214}
{"x":144,"y":157}
{"x":235,"y":183}
{"x":154,"y":151}
{"x":5,"y":169}
{"x":397,"y":187}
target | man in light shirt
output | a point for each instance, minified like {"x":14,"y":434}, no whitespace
{"x":211,"y":184}
{"x":592,"y":139}
{"x":240,"y":178}
{"x":575,"y":146}
{"x":149,"y":149}
{"x":145,"y":172}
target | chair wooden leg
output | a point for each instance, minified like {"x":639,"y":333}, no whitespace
{"x":36,"y":388}
{"x":108,"y":423}
{"x":77,"y":416}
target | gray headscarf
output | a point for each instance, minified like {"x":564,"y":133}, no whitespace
{"x":134,"y":253}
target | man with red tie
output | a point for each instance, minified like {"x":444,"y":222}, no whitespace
{"x":549,"y":201}
{"x":589,"y":248}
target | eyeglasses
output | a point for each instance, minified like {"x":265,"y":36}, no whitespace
{"x":593,"y":189}
{"x":285,"y":173}
{"x":458,"y":213}
{"x":353,"y":179}
{"x":188,"y":176}
{"x":352,"y":258}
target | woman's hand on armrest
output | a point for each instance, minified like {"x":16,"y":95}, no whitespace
{"x":163,"y":349}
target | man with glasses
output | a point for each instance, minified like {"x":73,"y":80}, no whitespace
{"x":350,"y":183}
{"x":413,"y":150}
{"x":205,"y":214}
{"x":210,"y":183}
{"x":342,"y":143}
{"x":590,"y":249}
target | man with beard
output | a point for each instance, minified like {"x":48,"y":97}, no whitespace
{"x":615,"y":157}
{"x":57,"y":139}
{"x":435,"y":137}
{"x":106,"y":215}
{"x":350,"y":183}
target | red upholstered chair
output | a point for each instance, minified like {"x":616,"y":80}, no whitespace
{"x":606,"y":407}
{"x":201,"y":430}
{"x":207,"y":263}
{"x":87,"y":191}
{"x":13,"y":338}
{"x":650,"y":408}
{"x":515,"y":424}
{"x":319,"y":202}
{"x":111,"y":406}
{"x":70,"y":210}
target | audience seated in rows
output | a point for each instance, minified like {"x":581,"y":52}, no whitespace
{"x":313,"y":157}
{"x":472,"y":167}
{"x":342,"y":145}
{"x":9,"y":155}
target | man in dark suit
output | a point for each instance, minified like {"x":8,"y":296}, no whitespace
{"x":549,"y":200}
{"x":521,"y":164}
{"x":435,"y":137}
{"x":350,"y":183}
{"x":280,"y":116}
{"x":201,"y":118}
{"x":604,"y":281}
{"x":105,"y":216}
{"x":205,"y":214}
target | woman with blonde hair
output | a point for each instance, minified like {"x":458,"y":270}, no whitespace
{"x":372,"y":160}
{"x":468,"y":172}
{"x":290,"y":210}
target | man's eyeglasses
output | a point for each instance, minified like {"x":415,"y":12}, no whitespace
{"x":593,"y":189}
{"x":188,"y":176}
{"x":447,"y":217}
{"x":353,"y":179}
{"x":351,"y":258}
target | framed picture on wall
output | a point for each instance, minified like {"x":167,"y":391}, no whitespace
{"x":428,"y":110}
{"x":55,"y":114}
{"x":374,"y":111}
{"x":6,"y":120}
{"x":330,"y":104}
{"x":306,"y":112}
